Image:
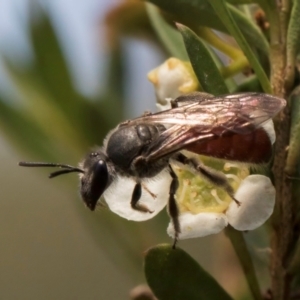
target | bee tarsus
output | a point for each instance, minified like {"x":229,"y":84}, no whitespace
{"x":136,"y":195}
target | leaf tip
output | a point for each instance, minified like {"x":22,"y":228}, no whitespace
{"x":179,"y":25}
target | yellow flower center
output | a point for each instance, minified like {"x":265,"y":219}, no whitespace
{"x":196,"y":195}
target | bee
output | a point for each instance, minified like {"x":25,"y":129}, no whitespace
{"x":231,"y":127}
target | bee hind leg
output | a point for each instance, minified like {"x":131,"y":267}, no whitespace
{"x":172,"y":205}
{"x":216,"y":178}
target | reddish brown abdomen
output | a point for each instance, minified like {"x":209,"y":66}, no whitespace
{"x":254,"y":147}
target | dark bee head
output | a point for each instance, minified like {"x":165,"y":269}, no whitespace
{"x":94,"y":176}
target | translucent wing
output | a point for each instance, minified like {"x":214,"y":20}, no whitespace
{"x":195,"y":120}
{"x":237,"y":112}
{"x":174,"y":139}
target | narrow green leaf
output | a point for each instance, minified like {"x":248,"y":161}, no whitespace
{"x":241,"y":2}
{"x":225,"y":15}
{"x":22,"y":131}
{"x":252,"y":33}
{"x":250,"y":84}
{"x":50,"y":65}
{"x":52,"y":73}
{"x":173,"y":274}
{"x":203,"y":63}
{"x":195,"y":13}
{"x":240,"y":247}
{"x":293,"y":158}
{"x":48,"y":85}
{"x":249,"y":29}
{"x":294,"y":262}
{"x":169,"y":37}
{"x":40,"y":107}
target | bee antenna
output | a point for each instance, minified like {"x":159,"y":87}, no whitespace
{"x":66,"y":168}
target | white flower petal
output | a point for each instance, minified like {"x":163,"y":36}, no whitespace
{"x":172,"y":79}
{"x":257,"y":196}
{"x":118,"y":196}
{"x":165,"y":106}
{"x":268,"y":126}
{"x":167,"y":80}
{"x":199,"y":225}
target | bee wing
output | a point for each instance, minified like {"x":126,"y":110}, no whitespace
{"x":210,"y":119}
{"x":239,"y":113}
{"x":174,"y":139}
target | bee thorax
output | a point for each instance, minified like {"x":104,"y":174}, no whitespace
{"x":126,"y":146}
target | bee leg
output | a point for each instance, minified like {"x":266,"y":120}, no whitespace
{"x":136,"y":195}
{"x":148,"y":191}
{"x":216,"y":178}
{"x":190,"y":98}
{"x":172,"y":206}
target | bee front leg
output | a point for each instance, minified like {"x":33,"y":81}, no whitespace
{"x":172,"y":206}
{"x":136,"y":195}
{"x":211,"y":175}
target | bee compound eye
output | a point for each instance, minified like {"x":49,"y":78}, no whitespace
{"x":94,"y":184}
{"x":100,"y":169}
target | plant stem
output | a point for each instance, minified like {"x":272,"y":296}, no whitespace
{"x":214,"y":40}
{"x":238,"y":242}
{"x":282,"y":219}
{"x":235,"y":67}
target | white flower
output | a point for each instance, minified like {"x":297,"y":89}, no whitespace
{"x":257,"y":197}
{"x":204,"y":209}
{"x":172,"y":79}
{"x":118,"y":196}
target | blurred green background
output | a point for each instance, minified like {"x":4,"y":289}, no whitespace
{"x":70,"y":72}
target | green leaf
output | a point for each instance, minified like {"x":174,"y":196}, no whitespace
{"x":238,"y":242}
{"x":250,"y":84}
{"x":232,"y":27}
{"x":173,"y":274}
{"x":50,"y":65}
{"x":169,"y":37}
{"x":249,"y":29}
{"x":41,"y":109}
{"x":203,"y":63}
{"x":22,"y":131}
{"x":51,"y":72}
{"x":195,"y":13}
{"x":241,"y":2}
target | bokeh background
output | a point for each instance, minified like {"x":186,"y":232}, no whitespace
{"x":69,"y":72}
